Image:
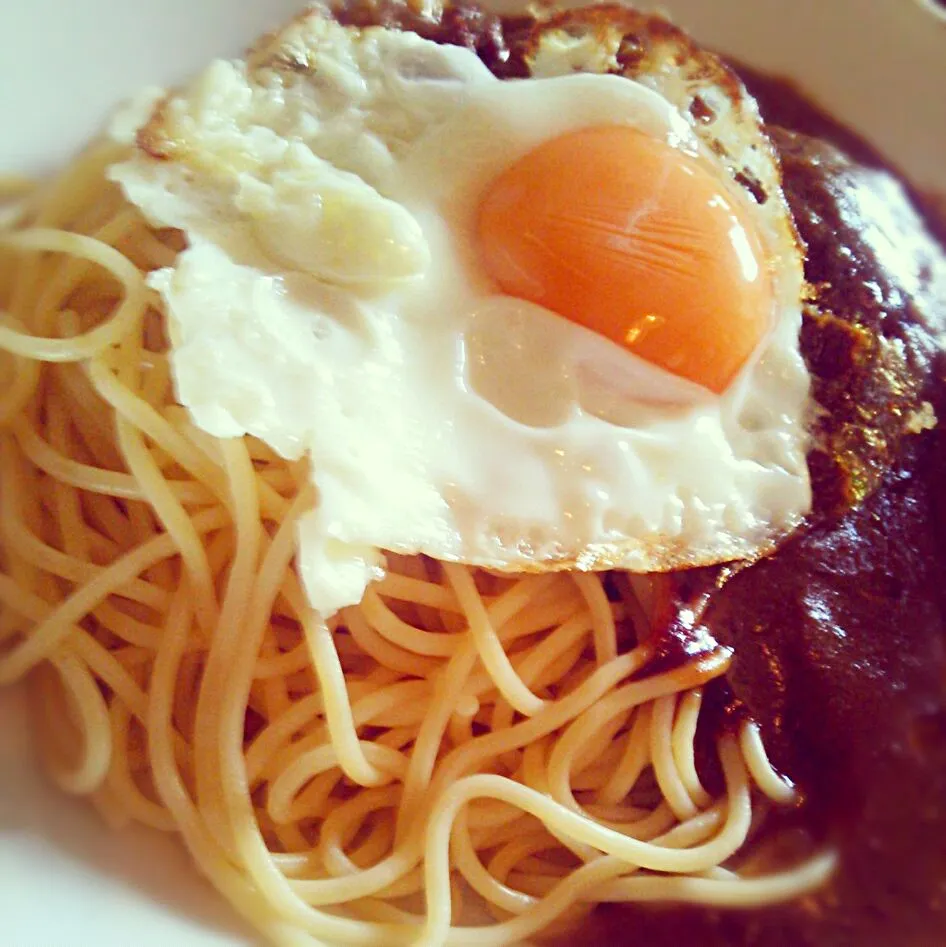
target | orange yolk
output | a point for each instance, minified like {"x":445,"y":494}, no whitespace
{"x":628,"y":236}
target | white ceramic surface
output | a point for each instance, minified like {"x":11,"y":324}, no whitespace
{"x":64,"y":880}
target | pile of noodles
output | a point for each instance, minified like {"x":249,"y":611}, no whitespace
{"x":463,"y":758}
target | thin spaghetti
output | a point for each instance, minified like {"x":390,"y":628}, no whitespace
{"x":460,"y":737}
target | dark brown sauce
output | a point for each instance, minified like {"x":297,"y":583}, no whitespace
{"x":677,"y":635}
{"x":839,"y":638}
{"x":496,"y":40}
{"x":784,"y":103}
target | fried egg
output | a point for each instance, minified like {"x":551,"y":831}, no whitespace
{"x":529,"y":324}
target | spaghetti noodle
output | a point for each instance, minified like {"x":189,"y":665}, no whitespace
{"x":459,"y":746}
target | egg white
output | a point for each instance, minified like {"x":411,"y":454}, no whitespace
{"x":330,"y":303}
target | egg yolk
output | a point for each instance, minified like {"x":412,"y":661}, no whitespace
{"x":634,"y":239}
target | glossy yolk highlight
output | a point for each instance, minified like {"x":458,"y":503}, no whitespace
{"x":637,"y":240}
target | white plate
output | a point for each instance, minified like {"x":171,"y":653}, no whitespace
{"x":66,"y":881}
